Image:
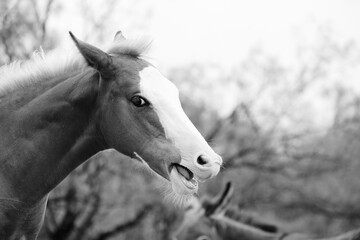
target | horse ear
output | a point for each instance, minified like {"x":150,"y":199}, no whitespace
{"x":119,"y":37}
{"x":95,"y":57}
{"x":220,"y":203}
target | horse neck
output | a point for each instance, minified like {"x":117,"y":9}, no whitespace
{"x":230,"y":229}
{"x":46,"y":134}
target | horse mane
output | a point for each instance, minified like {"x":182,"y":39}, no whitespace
{"x":43,"y":66}
{"x":136,"y":47}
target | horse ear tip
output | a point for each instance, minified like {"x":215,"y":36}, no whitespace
{"x":72,"y":36}
{"x":119,"y":36}
{"x":229,"y":189}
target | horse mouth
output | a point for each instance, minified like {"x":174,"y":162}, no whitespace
{"x":183,"y":181}
{"x":181,"y":174}
{"x":184,"y":171}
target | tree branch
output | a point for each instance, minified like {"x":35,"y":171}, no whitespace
{"x":125,"y":226}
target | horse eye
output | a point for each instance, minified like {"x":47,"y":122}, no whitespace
{"x":139,"y":101}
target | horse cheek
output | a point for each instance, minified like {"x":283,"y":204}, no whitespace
{"x":161,"y":153}
{"x":118,"y":130}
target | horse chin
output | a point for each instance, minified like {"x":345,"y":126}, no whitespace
{"x":182,"y":185}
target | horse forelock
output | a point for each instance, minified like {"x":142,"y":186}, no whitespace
{"x":136,"y":47}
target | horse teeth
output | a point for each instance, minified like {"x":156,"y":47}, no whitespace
{"x":194,"y":181}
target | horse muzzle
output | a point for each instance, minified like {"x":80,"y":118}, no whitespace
{"x":186,"y":175}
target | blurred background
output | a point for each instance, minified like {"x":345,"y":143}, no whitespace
{"x":272,"y":85}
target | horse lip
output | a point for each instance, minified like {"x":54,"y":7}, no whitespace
{"x":189,"y":183}
{"x":192,"y":175}
{"x":184,"y":171}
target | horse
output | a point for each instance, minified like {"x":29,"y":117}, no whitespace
{"x":58,"y":110}
{"x":210,"y":219}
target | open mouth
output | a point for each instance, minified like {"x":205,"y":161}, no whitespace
{"x":186,"y":176}
{"x":183,"y":181}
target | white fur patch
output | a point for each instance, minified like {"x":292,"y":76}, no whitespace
{"x":164,"y":98}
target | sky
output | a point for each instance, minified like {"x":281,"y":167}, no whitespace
{"x":223,"y":32}
{"x":215,"y":30}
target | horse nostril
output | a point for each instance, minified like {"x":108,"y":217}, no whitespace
{"x":202,"y":160}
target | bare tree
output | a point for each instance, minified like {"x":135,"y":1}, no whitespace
{"x":23,"y":28}
{"x":302,"y":170}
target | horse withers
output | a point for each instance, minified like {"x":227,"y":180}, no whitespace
{"x":57,"y":111}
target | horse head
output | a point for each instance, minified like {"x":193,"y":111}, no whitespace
{"x":140,"y":115}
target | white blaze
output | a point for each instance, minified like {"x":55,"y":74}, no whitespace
{"x":164,"y":98}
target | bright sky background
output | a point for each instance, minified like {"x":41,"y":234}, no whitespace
{"x":222,"y":32}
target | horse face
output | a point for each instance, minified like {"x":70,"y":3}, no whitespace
{"x":197,"y":160}
{"x":141,"y":116}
